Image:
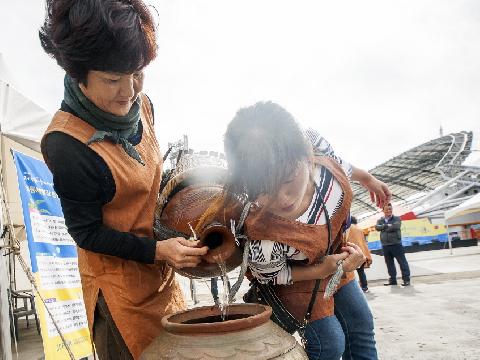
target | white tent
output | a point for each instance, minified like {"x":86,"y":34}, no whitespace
{"x":467,"y":212}
{"x":22,"y":123}
{"x":20,"y":118}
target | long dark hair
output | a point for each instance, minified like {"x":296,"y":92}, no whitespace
{"x":103,"y":35}
{"x":264,"y":144}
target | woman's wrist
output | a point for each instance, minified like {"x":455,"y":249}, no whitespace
{"x":323,"y":271}
{"x":312,"y":272}
{"x":361,"y":175}
{"x":159,"y":255}
{"x":366,"y":179}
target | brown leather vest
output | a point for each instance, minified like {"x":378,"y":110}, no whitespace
{"x":312,"y":240}
{"x":356,"y":236}
{"x":138,"y":295}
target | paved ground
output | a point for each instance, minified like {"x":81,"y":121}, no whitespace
{"x":438,"y":317}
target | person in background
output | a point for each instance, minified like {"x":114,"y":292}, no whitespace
{"x":473,"y":233}
{"x":356,"y":236}
{"x":106,"y":164}
{"x":391,"y":238}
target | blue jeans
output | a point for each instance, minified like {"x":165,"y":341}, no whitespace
{"x":325,"y":339}
{"x":355,"y":317}
{"x":349,"y":333}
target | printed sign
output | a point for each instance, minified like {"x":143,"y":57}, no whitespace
{"x":53,"y":256}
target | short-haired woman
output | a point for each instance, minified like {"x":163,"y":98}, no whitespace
{"x":106,"y":165}
{"x":301,"y":206}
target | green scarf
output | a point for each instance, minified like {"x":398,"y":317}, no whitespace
{"x":117,"y":129}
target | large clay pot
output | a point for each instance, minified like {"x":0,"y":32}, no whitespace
{"x":182,"y":213}
{"x":247,"y":333}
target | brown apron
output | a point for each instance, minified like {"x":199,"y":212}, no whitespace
{"x":138,"y":295}
{"x":311,"y":240}
{"x":356,"y":236}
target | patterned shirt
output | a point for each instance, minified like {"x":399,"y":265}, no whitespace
{"x":269,"y":260}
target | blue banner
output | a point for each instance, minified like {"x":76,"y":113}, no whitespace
{"x":54,"y":262}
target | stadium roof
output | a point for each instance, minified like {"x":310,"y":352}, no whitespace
{"x":418,"y":170}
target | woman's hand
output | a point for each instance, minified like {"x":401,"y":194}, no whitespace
{"x":330,"y":263}
{"x":379,"y":191}
{"x":180,"y":252}
{"x":355,"y":257}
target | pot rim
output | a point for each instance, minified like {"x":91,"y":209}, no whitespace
{"x":225,"y":250}
{"x":259,"y":315}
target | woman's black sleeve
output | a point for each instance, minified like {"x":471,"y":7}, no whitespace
{"x":85,"y":184}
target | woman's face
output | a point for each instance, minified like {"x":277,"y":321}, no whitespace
{"x":113,"y":92}
{"x":289,"y":201}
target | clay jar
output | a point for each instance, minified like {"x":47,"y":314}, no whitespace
{"x":182,"y":213}
{"x":247,"y":333}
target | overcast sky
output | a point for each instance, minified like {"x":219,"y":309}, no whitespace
{"x":374,"y":77}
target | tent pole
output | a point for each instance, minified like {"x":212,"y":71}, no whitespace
{"x":5,"y":273}
{"x":11,"y":254}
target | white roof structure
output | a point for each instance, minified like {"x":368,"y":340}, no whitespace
{"x":466,"y":212}
{"x":430,"y":179}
